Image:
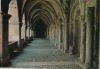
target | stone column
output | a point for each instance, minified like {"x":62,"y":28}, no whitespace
{"x":65,"y":38}
{"x":90,"y":15}
{"x":98,"y":22}
{"x":74,"y":40}
{"x":20,"y":26}
{"x":26,"y":31}
{"x":29,"y":32}
{"x":82,"y":46}
{"x":83,"y":34}
{"x":59,"y":37}
{"x":4,"y":54}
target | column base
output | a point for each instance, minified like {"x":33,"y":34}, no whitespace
{"x":4,"y":62}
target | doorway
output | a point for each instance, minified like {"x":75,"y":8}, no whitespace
{"x":40,"y":29}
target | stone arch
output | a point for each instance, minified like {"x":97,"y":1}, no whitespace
{"x":75,"y":14}
{"x":49,"y":12}
{"x":77,"y":32}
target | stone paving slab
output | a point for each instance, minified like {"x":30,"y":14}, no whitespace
{"x":40,"y":54}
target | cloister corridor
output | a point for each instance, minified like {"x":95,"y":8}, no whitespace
{"x":50,"y":34}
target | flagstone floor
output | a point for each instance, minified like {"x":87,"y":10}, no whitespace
{"x":41,"y":54}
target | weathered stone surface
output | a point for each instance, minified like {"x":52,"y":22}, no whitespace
{"x":40,"y":53}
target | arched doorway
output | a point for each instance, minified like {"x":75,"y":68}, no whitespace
{"x":40,"y":29}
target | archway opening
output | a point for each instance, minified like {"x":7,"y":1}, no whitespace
{"x":40,"y":29}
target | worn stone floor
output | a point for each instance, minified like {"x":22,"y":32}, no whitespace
{"x":41,"y":54}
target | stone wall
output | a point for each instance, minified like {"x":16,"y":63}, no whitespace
{"x":13,"y":22}
{"x":80,"y":18}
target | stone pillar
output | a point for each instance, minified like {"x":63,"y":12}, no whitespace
{"x":65,"y":38}
{"x":20,"y":26}
{"x":58,"y":36}
{"x":74,"y":40}
{"x":83,"y":34}
{"x":26,"y":32}
{"x":4,"y":55}
{"x":29,"y":32}
{"x":70,"y":36}
{"x":90,"y":15}
{"x":67,"y":8}
{"x":82,"y":46}
{"x":98,"y":22}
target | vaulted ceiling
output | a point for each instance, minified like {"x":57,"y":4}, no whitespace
{"x":47,"y":10}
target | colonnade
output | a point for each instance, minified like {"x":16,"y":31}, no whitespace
{"x":76,"y":28}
